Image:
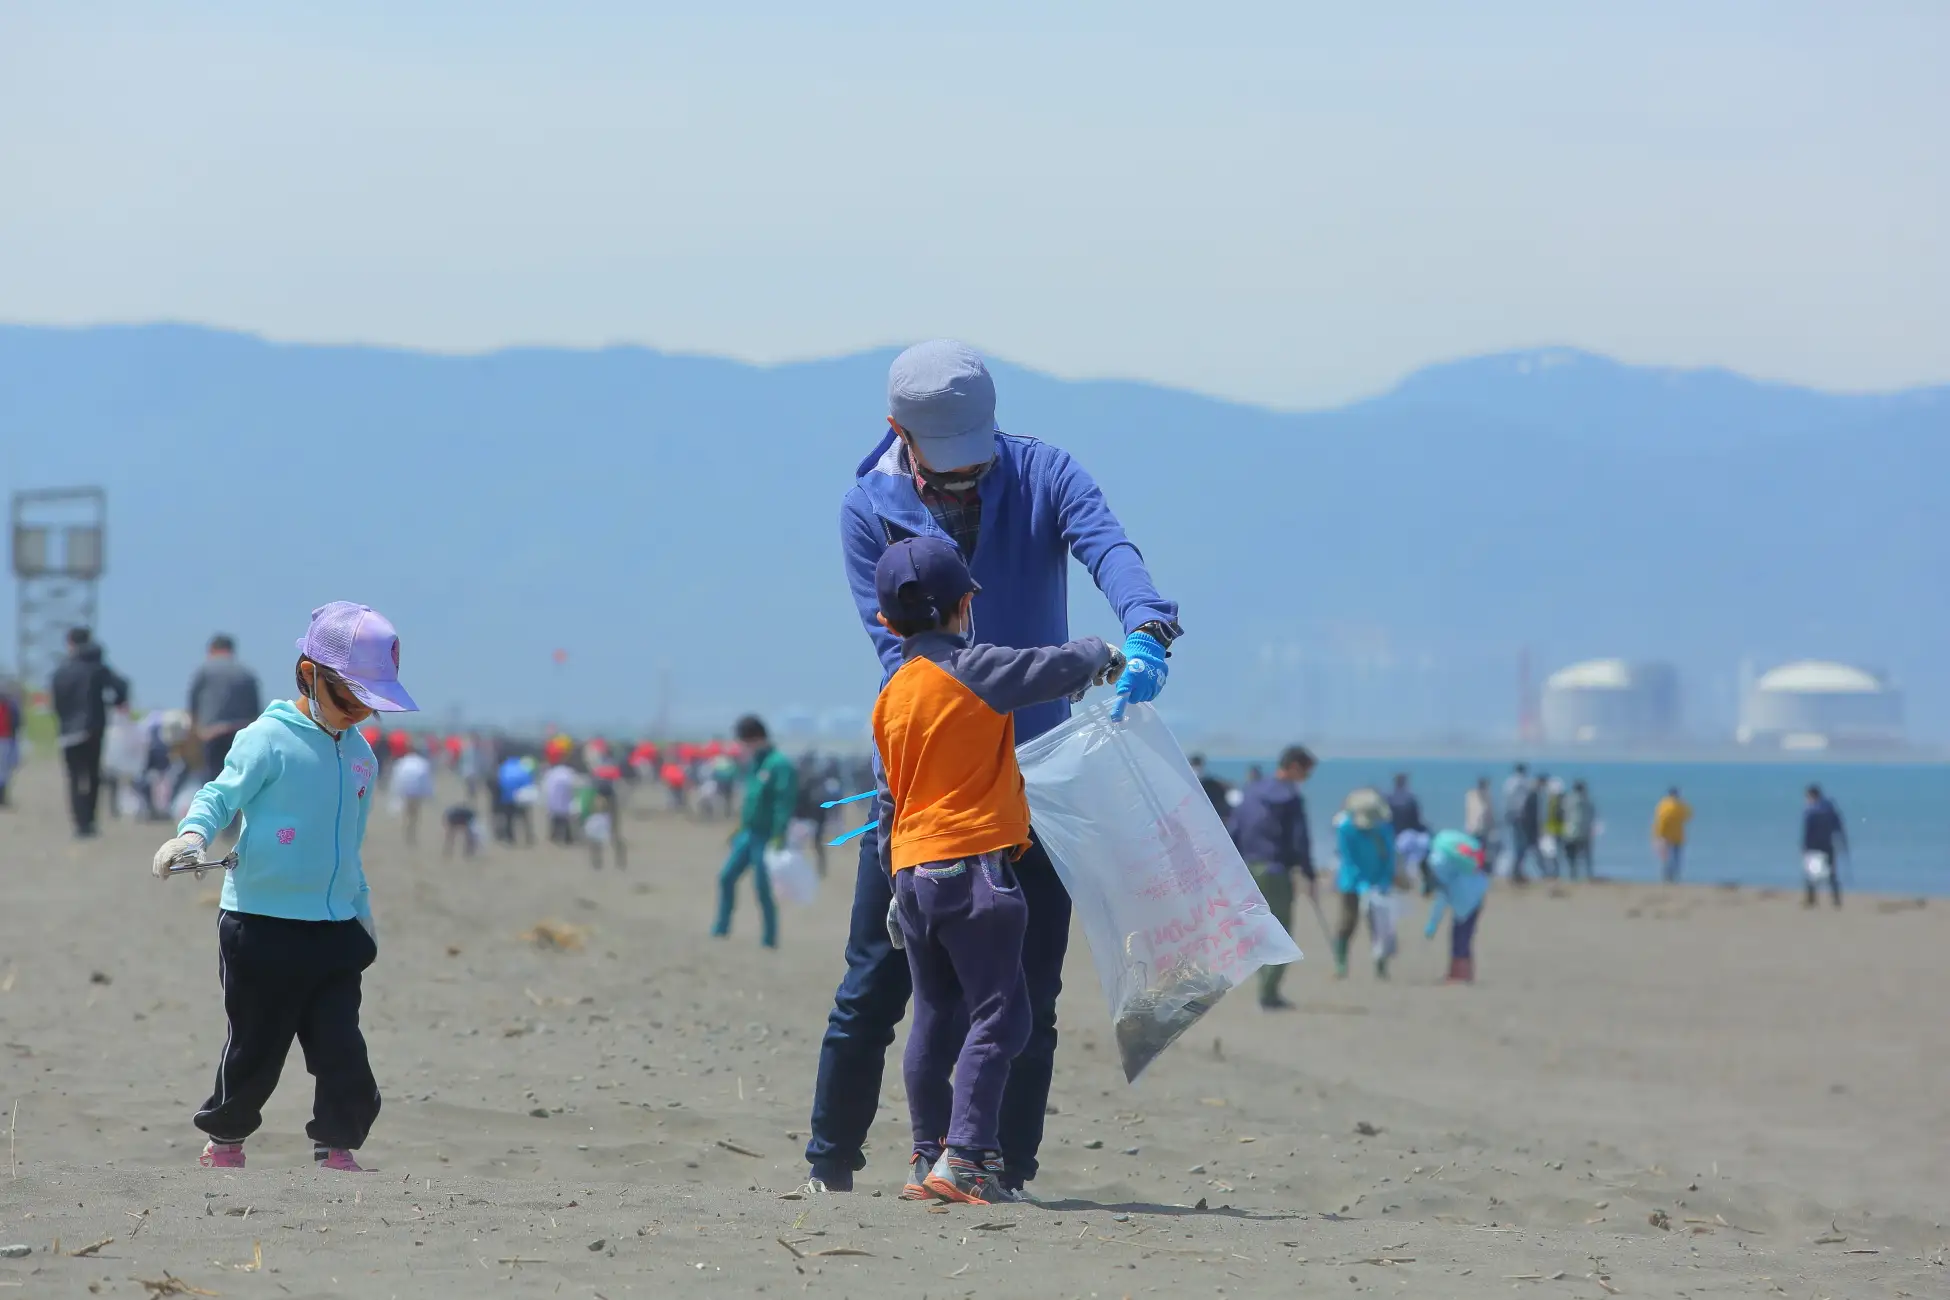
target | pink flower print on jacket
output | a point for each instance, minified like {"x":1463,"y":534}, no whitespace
{"x":287,"y":834}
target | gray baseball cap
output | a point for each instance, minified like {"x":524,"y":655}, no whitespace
{"x":941,"y":393}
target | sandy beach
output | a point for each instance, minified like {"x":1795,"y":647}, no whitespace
{"x":1685,"y":1092}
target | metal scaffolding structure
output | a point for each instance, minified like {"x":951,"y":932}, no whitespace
{"x":59,"y":550}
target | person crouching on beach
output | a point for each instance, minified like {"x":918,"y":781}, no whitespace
{"x":1458,"y":875}
{"x":296,"y":929}
{"x":953,"y":818}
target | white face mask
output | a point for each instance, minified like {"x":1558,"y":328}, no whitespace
{"x":318,"y":714}
{"x":959,"y":479}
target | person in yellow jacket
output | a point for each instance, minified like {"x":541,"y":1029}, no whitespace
{"x":1669,"y":833}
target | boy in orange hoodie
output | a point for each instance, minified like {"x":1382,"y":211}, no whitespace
{"x":953,"y":818}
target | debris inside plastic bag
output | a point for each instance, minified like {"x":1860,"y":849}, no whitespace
{"x":1151,"y":1019}
{"x":1171,"y":911}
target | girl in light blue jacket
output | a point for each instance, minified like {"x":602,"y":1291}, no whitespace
{"x":1459,"y":877}
{"x":296,"y":929}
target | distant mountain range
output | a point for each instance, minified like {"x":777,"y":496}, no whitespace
{"x":670,"y":522}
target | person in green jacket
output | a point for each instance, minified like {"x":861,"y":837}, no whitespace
{"x":770,"y":793}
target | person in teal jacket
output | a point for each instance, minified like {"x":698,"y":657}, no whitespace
{"x":770,"y":794}
{"x":296,"y":929}
{"x":1365,"y":838}
{"x":1460,"y":880}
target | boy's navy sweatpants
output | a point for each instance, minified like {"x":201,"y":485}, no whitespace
{"x":872,"y":998}
{"x":283,"y":980}
{"x":963,"y":923}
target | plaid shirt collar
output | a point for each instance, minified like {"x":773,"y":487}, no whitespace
{"x":958,"y":513}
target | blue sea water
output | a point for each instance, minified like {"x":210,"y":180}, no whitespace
{"x":1746,"y":825}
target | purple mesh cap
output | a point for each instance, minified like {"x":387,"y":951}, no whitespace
{"x":357,"y":643}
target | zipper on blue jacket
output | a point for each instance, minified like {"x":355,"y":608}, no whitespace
{"x":338,"y":816}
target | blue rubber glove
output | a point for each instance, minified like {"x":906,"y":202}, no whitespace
{"x":1145,"y":672}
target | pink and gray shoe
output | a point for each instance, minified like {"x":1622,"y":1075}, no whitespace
{"x":338,"y":1158}
{"x":222,"y":1155}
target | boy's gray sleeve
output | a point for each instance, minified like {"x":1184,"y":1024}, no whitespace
{"x":1007,"y":679}
{"x":883,"y":810}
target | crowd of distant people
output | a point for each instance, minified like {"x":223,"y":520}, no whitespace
{"x":147,"y":768}
{"x":1383,"y":843}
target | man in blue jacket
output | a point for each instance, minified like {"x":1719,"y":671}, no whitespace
{"x":1823,"y":840}
{"x":1019,"y":509}
{"x":1270,"y":829}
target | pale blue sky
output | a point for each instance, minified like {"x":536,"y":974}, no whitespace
{"x":1286,"y":203}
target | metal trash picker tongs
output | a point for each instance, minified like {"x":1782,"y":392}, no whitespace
{"x":225,"y":863}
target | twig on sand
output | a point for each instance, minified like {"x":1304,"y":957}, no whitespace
{"x":88,"y":1250}
{"x":170,"y":1284}
{"x":822,"y":1254}
{"x":737,"y":1150}
{"x":13,"y":1163}
{"x":522,"y":1259}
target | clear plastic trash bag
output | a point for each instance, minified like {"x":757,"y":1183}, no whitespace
{"x":793,"y":876}
{"x":1171,"y":912}
{"x":125,"y":750}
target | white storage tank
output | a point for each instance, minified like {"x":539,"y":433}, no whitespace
{"x":1611,"y":702}
{"x":1815,"y":704}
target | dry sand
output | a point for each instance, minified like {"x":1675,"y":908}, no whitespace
{"x":1767,"y":1084}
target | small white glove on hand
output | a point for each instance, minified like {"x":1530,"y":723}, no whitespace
{"x":187,"y":847}
{"x":1109,"y":673}
{"x":372,"y":927}
{"x":894,"y":932}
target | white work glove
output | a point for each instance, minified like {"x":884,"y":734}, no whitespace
{"x":372,"y":927}
{"x":1110,"y":672}
{"x":894,"y":933}
{"x":187,"y":847}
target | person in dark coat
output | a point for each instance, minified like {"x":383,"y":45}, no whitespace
{"x":85,"y":689}
{"x":1823,"y":840}
{"x":1217,"y":791}
{"x":1404,"y":809}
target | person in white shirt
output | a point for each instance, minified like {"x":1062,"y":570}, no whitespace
{"x":559,"y":798}
{"x":412,"y":778}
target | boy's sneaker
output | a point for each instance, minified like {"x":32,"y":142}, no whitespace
{"x":917,"y":1180}
{"x":338,"y":1158}
{"x":965,"y":1182}
{"x":222,"y":1155}
{"x":1006,"y":1191}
